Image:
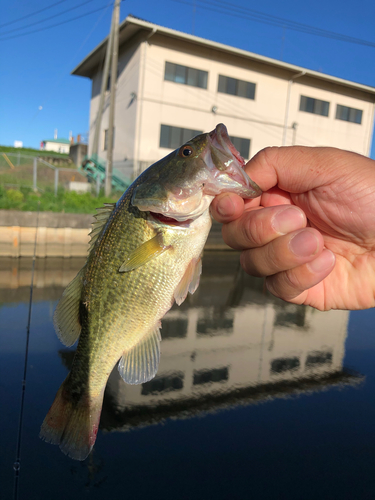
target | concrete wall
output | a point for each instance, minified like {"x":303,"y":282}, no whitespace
{"x":59,"y":235}
{"x":77,"y":153}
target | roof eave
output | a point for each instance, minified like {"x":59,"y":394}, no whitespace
{"x":293,"y":69}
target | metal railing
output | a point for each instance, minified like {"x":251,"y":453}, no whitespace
{"x":27,"y":171}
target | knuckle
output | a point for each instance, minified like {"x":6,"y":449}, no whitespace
{"x":285,"y":285}
{"x":249,"y":263}
{"x":267,"y":154}
{"x":292,"y":281}
{"x":254,"y":230}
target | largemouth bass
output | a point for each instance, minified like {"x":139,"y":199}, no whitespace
{"x":145,"y":254}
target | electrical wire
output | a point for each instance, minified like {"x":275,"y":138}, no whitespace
{"x":246,"y":13}
{"x":32,"y":14}
{"x":52,"y":89}
{"x":46,"y":18}
{"x":54,"y":25}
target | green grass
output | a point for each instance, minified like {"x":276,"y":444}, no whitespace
{"x":66,"y":201}
{"x":32,"y":152}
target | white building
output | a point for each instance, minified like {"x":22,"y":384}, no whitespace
{"x":172,"y":85}
{"x":57,"y":145}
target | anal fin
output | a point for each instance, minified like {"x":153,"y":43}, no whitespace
{"x":66,"y":316}
{"x":141,"y":362}
{"x":189,"y":281}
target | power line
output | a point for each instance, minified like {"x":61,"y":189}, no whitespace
{"x":54,"y":25}
{"x":46,"y":18}
{"x":243,"y":12}
{"x":32,"y":14}
{"x":52,"y":87}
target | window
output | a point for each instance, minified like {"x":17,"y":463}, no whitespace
{"x":232,"y":86}
{"x":215,"y":321}
{"x":316,"y":106}
{"x":242,"y":145}
{"x":318,"y":358}
{"x":290,"y":315}
{"x":282,"y":365}
{"x":173,"y":382}
{"x":207,"y":376}
{"x":174,"y":137}
{"x":348,"y":114}
{"x":174,"y":328}
{"x":105,"y":146}
{"x":187,"y":76}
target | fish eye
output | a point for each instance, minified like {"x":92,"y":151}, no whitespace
{"x":186,"y":151}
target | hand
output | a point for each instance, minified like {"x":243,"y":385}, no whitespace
{"x":312,"y":232}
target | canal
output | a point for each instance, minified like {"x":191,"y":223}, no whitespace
{"x":254,"y":398}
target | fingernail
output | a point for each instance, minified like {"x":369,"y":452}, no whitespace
{"x":325,"y":261}
{"x":304,"y":244}
{"x":288,"y":220}
{"x":225,"y":206}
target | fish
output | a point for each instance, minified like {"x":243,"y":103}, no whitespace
{"x":145,"y":253}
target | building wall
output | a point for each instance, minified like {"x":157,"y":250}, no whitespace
{"x":316,"y":130}
{"x":57,"y":146}
{"x":126,"y":106}
{"x":138,"y":119}
{"x":261,"y":120}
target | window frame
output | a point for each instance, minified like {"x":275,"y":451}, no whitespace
{"x":340,"y":108}
{"x":227,"y":82}
{"x":185,"y":75}
{"x":315,"y":104}
{"x":184,"y":136}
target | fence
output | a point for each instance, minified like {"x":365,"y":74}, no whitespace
{"x":17,"y":170}
{"x":25,"y":171}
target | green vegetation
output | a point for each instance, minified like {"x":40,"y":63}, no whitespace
{"x":32,"y":152}
{"x":66,"y":201}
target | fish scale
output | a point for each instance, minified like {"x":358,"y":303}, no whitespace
{"x":145,"y":253}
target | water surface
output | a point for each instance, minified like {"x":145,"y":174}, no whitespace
{"x":254,"y":398}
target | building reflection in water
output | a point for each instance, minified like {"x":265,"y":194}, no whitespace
{"x":230,"y":343}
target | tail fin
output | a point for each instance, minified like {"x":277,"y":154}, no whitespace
{"x":72,"y":425}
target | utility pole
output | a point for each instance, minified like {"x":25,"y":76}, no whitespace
{"x":95,"y":145}
{"x":109,"y":165}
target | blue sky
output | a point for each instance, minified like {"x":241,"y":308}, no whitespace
{"x":35,"y":68}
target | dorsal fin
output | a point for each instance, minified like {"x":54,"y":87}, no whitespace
{"x":141,"y":362}
{"x":101,"y":218}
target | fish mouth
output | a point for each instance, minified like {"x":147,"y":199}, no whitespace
{"x":228,"y":166}
{"x":170,"y":221}
{"x":220,"y":136}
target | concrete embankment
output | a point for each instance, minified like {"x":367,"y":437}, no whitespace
{"x":58,"y":235}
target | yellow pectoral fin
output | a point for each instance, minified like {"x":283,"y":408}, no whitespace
{"x":143,"y":254}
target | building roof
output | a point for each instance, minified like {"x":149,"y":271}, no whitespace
{"x":132,"y":25}
{"x":58,"y":141}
